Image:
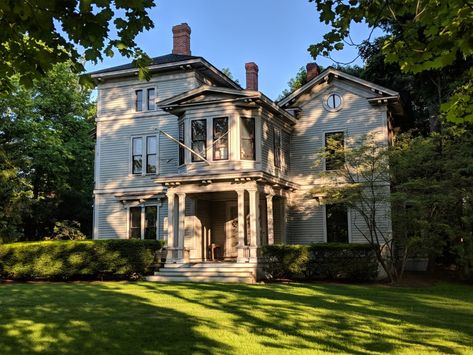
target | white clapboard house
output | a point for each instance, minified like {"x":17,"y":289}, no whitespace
{"x":218,"y":170}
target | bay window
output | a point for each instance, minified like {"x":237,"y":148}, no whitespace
{"x":220,"y":138}
{"x":247,"y":139}
{"x":199,"y":139}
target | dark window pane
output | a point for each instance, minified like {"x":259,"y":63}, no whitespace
{"x":137,"y":157}
{"x":151,"y":215}
{"x":139,"y":100}
{"x":151,"y":99}
{"x":334,"y":145}
{"x":151,"y":155}
{"x":337,"y":223}
{"x":181,"y":139}
{"x":277,"y":146}
{"x":135,"y":222}
{"x":248,"y":151}
{"x":220,"y":138}
{"x":199,"y":138}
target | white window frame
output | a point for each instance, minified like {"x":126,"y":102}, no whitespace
{"x":143,"y":216}
{"x":324,"y":216}
{"x":144,"y":101}
{"x":341,"y":130}
{"x":144,"y":155}
{"x":326,"y":97}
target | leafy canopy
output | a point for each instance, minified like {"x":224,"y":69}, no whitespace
{"x":36,"y":34}
{"x":422,"y":35}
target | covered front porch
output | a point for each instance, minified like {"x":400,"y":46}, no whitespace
{"x":223,"y":221}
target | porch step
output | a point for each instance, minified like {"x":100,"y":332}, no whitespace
{"x":206,"y":272}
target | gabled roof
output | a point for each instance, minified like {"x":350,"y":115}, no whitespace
{"x":325,"y":75}
{"x":169,"y":62}
{"x":234,"y":95}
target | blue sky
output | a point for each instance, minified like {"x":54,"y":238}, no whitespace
{"x":273,"y":33}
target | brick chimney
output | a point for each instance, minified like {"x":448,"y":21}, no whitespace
{"x":312,"y":71}
{"x":251,"y":76}
{"x":181,"y":39}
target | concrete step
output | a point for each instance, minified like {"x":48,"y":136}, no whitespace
{"x":197,"y":278}
{"x":235,"y":273}
{"x":208,"y":269}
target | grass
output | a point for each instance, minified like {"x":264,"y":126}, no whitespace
{"x":149,"y":318}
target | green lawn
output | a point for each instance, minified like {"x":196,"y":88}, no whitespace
{"x":148,"y":318}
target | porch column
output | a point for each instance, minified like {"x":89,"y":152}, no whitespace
{"x":241,"y":226}
{"x":170,"y":239}
{"x":181,"y":226}
{"x":269,"y":218}
{"x":255,"y":241}
{"x":283,"y":220}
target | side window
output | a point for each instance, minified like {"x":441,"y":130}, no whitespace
{"x":181,"y":140}
{"x":137,"y":155}
{"x":220,"y":138}
{"x":151,"y":217}
{"x":199,"y":138}
{"x":151,"y":156}
{"x":135,"y":223}
{"x":139,"y":100}
{"x":151,"y":99}
{"x":336,"y":221}
{"x":334,"y":145}
{"x":277,"y":146}
{"x":247,"y":139}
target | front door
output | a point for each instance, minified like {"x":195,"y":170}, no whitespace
{"x":231,"y":231}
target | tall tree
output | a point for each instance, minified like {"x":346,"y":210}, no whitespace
{"x":423,"y":35}
{"x":46,"y":136}
{"x":36,"y":34}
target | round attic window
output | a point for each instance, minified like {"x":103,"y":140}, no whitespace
{"x":333,"y":102}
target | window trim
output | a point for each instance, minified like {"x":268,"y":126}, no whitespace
{"x":227,"y":135}
{"x":138,"y":109}
{"x":148,"y":154}
{"x":181,"y":151}
{"x":144,"y":155}
{"x":277,"y":162}
{"x":326,"y":97}
{"x":145,"y":99}
{"x":324,"y":219}
{"x":254,"y":138}
{"x":193,"y":156}
{"x":142,"y":207}
{"x":133,"y":156}
{"x":344,"y":131}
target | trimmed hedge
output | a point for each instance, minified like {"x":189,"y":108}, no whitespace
{"x":329,"y":261}
{"x":85,"y":259}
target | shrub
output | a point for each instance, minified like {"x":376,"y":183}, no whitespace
{"x":67,"y":230}
{"x":320,"y":262}
{"x":87,"y":259}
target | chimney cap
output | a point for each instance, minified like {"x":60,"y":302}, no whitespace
{"x":251,"y":66}
{"x":182,"y":27}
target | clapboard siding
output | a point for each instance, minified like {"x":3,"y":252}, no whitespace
{"x":114,"y":165}
{"x":111,"y":218}
{"x":267,"y":149}
{"x":117,"y":98}
{"x":306,"y":218}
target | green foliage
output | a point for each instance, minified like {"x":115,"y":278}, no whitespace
{"x":46,"y":155}
{"x":295,"y":83}
{"x":65,"y":260}
{"x":331,"y":261}
{"x":422,"y":36}
{"x":228,"y":73}
{"x":432,"y":194}
{"x":38,"y":34}
{"x":67,"y":230}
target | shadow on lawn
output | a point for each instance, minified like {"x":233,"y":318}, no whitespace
{"x":92,"y":318}
{"x":348,"y":318}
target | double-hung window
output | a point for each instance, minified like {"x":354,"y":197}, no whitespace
{"x":199,"y":139}
{"x":220,"y":138}
{"x":334,"y":146}
{"x":336,"y":221}
{"x":146,"y":214}
{"x":181,"y":140}
{"x":144,"y":156}
{"x":247,"y":139}
{"x":137,"y":155}
{"x":150,"y":99}
{"x":277,"y":146}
